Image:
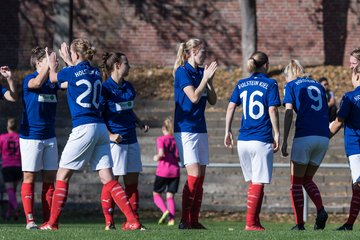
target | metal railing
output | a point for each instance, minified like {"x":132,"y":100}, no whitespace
{"x":276,"y":165}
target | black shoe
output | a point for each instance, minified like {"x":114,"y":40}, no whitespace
{"x":183,"y":226}
{"x":345,"y":227}
{"x":298,"y":227}
{"x":321,"y":219}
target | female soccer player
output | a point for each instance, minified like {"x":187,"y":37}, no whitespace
{"x":256,"y":145}
{"x":121,"y":121}
{"x":88,"y":141}
{"x":348,"y":115}
{"x":11,"y":166}
{"x":167,"y":172}
{"x":308,"y":99}
{"x":9,"y":95}
{"x":193,"y":87}
{"x":38,"y":145}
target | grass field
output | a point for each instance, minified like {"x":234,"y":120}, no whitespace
{"x":83,"y":229}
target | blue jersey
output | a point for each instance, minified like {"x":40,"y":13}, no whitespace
{"x":118,"y":110}
{"x":2,"y":92}
{"x":349,"y":110}
{"x":39,"y":110}
{"x":83,"y":92}
{"x":189,"y":117}
{"x":256,"y":94}
{"x":309,"y":101}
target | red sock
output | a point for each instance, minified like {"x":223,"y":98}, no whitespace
{"x":188,"y":197}
{"x":59,"y":200}
{"x":354,"y":207}
{"x":196,"y":206}
{"x":258,"y":210}
{"x":313,"y":192}
{"x":297,"y":198}
{"x":120,"y":198}
{"x":46,"y":199}
{"x":27,"y":197}
{"x":107,"y":204}
{"x":254,"y":203}
{"x":132,"y":194}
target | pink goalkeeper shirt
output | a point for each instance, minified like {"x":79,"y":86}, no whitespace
{"x":10,"y":150}
{"x":168,"y":165}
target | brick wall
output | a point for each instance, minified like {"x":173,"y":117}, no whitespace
{"x":315,"y":31}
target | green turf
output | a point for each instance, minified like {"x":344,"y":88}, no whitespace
{"x":216,"y":230}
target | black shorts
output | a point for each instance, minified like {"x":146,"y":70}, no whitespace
{"x":170,"y":184}
{"x":12,"y":174}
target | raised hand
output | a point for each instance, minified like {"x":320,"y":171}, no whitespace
{"x":210,"y":70}
{"x":65,"y":54}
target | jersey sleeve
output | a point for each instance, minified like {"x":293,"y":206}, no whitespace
{"x":345,"y":107}
{"x":273,"y":96}
{"x":64,"y":75}
{"x":235,"y":96}
{"x":183,"y":78}
{"x":288,"y":96}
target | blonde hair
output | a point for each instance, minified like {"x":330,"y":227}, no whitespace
{"x":83,"y":47}
{"x":295,"y":68}
{"x":184,"y":52}
{"x":168,"y":125}
{"x":256,"y":62}
{"x":356,"y":53}
{"x":12,"y":124}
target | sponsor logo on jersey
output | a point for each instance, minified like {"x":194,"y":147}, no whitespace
{"x":124,"y":105}
{"x":51,"y":98}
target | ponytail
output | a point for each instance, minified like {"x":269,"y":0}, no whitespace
{"x":256,"y":62}
{"x":180,"y":57}
{"x":184,"y":52}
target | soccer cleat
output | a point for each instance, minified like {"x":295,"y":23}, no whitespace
{"x":129,"y":226}
{"x":31,"y":226}
{"x":197,"y":225}
{"x":110,"y":226}
{"x":142,"y":227}
{"x":254,"y":228}
{"x":345,"y":227}
{"x":47,"y":226}
{"x":171,"y":222}
{"x":184,"y":226}
{"x":163,"y":217}
{"x":321,"y":219}
{"x":298,"y":227}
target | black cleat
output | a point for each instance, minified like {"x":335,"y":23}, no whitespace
{"x":184,"y":226}
{"x":345,"y":227}
{"x":321,"y":219}
{"x":298,"y":227}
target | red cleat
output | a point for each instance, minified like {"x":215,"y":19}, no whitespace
{"x":47,"y":226}
{"x":254,"y":228}
{"x":130,"y":226}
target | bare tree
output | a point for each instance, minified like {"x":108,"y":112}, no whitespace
{"x":248,"y":30}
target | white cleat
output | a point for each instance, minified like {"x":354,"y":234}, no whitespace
{"x":32,"y":226}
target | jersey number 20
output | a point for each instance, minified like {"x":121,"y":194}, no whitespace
{"x":90,"y":89}
{"x":252,"y":104}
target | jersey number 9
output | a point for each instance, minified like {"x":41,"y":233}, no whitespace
{"x":316,"y":98}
